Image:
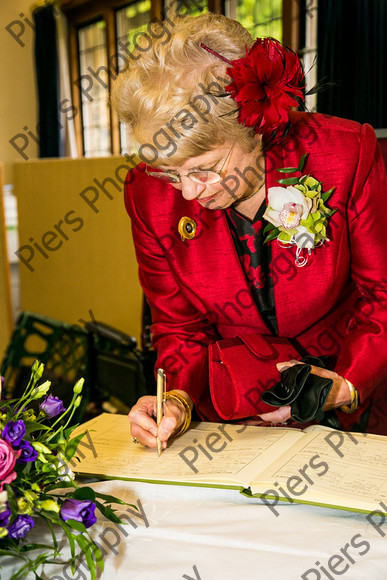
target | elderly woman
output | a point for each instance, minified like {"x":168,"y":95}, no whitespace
{"x":260,"y":237}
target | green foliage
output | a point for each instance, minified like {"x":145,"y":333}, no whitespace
{"x":261,"y":17}
{"x":288,"y":181}
{"x":272,"y":235}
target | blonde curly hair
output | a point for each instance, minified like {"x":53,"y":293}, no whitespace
{"x":172,"y":95}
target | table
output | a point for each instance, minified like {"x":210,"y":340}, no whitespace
{"x":195,"y":533}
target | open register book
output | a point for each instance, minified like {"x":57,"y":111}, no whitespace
{"x":315,"y":466}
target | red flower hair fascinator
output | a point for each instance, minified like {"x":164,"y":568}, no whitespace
{"x":266,"y":83}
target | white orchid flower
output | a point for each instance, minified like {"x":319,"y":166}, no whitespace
{"x":287,"y":206}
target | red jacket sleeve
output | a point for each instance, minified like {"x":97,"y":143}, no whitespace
{"x":180,"y":333}
{"x":362,"y":358}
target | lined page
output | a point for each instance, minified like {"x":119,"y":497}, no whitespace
{"x":207,"y":453}
{"x":339,"y":468}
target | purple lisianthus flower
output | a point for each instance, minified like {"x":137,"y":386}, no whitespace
{"x":28,"y":453}
{"x":20,"y":527}
{"x":5,"y":513}
{"x":52,"y":406}
{"x":14,"y":432}
{"x":79,"y":510}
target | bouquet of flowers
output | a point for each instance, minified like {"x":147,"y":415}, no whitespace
{"x":35,"y":448}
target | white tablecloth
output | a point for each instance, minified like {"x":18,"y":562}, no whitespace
{"x":213,"y":534}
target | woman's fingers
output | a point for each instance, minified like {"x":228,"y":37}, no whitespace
{"x":173,"y":417}
{"x":281,"y":366}
{"x":144,"y":427}
{"x":278,"y":416}
{"x":142,"y":413}
{"x":142,"y":436}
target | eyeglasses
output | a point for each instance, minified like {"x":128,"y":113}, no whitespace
{"x":198,"y":176}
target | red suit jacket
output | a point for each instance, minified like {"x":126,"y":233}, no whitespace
{"x":335,"y":305}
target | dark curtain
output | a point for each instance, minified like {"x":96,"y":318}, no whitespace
{"x":46,"y":60}
{"x":352,"y":47}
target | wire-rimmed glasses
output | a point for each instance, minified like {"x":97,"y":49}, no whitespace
{"x":197,"y":175}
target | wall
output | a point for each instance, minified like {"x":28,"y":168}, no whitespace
{"x":18,"y":106}
{"x":18,"y":102}
{"x":5,"y":297}
{"x":77,"y":254}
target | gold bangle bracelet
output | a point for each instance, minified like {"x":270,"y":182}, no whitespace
{"x":175,"y":395}
{"x":353,"y":405}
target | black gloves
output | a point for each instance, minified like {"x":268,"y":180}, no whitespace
{"x":306,"y":393}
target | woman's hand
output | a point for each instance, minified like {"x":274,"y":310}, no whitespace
{"x":143,"y":425}
{"x":339,"y":393}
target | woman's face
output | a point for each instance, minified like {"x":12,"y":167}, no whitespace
{"x":234,"y":183}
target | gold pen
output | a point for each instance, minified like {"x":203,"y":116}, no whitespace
{"x":161,"y":388}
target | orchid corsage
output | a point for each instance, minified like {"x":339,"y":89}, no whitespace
{"x":297,"y":214}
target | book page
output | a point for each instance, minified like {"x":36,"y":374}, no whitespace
{"x":335,"y":467}
{"x":209,"y":453}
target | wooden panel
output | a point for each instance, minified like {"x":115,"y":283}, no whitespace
{"x":76,"y":249}
{"x":216,"y":6}
{"x":75,"y":91}
{"x":157,"y":10}
{"x":110,"y":19}
{"x":5,"y":293}
{"x":291,"y":24}
{"x":82,"y":10}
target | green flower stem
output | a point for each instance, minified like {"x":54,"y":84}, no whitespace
{"x":70,"y":417}
{"x":26,"y":396}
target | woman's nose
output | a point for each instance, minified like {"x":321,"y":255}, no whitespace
{"x":190,"y":189}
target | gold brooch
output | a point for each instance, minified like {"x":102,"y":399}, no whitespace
{"x":187,"y":228}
